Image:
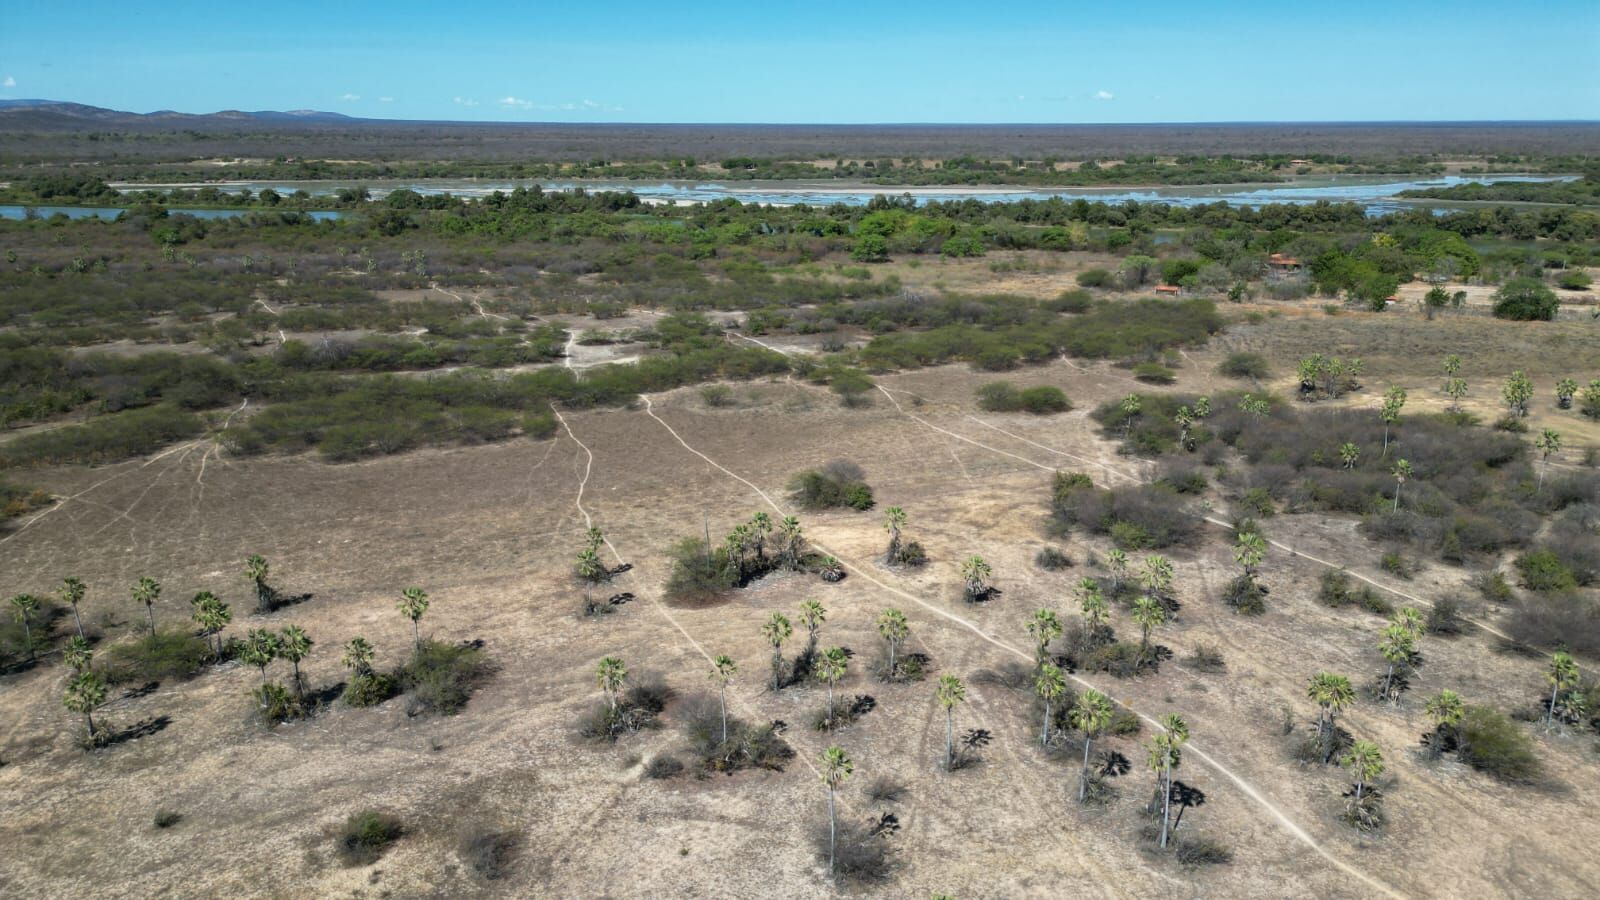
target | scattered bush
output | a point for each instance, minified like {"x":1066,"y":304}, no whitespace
{"x":662,"y":767}
{"x":369,"y":689}
{"x":1095,"y":278}
{"x":838,"y":485}
{"x":1494,"y":587}
{"x":487,"y":852}
{"x":1541,"y":570}
{"x":884,"y":789}
{"x":1208,"y":659}
{"x":1335,"y":591}
{"x":1397,"y":565}
{"x":441,"y":677}
{"x":366,"y":835}
{"x":1490,"y":742}
{"x":1445,"y":618}
{"x":1558,"y":620}
{"x":1154,"y":373}
{"x":1052,"y":560}
{"x":1245,"y":596}
{"x":167,"y":654}
{"x":1245,"y":365}
{"x":860,"y":852}
{"x":748,"y":746}
{"x":1200,"y":850}
{"x":1136,"y":517}
{"x":1003,"y":396}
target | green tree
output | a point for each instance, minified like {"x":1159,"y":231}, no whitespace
{"x":1397,"y":646}
{"x":723,"y":669}
{"x":1155,"y":576}
{"x":1452,"y":364}
{"x":1445,"y":710}
{"x":950,"y":692}
{"x":894,"y":628}
{"x":777,"y":630}
{"x":294,"y":645}
{"x":1518,"y":390}
{"x":84,"y":694}
{"x":611,"y":675}
{"x":259,"y":649}
{"x":1148,"y":613}
{"x":1562,"y":674}
{"x":1117,"y":565}
{"x":1091,"y":715}
{"x":1566,"y":389}
{"x":72,"y":593}
{"x":975,"y":573}
{"x":1365,"y":763}
{"x":793,"y":542}
{"x":1393,"y":402}
{"x":1044,"y":627}
{"x":894,"y":522}
{"x":147,"y":592}
{"x":830,"y":667}
{"x":212,"y":615}
{"x":1092,"y":605}
{"x":812,"y":615}
{"x":1525,"y":300}
{"x":1547,"y":443}
{"x":836,"y":769}
{"x":1402,"y":471}
{"x":413,"y":604}
{"x":1331,"y":693}
{"x":78,"y":654}
{"x":1131,"y":405}
{"x":1249,"y":551}
{"x":256,"y":571}
{"x":23,"y":606}
{"x":1048,"y":684}
{"x":1166,"y":754}
{"x":358,"y":656}
{"x":1456,"y":388}
{"x":1349,"y":454}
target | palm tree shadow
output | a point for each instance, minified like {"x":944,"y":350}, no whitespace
{"x":279,"y":600}
{"x":143,"y":728}
{"x":143,"y":690}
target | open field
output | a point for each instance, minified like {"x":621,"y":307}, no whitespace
{"x":489,"y":531}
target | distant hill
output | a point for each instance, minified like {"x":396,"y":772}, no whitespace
{"x":60,"y":115}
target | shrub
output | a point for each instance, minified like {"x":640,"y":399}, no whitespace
{"x":717,"y":396}
{"x":1200,"y":850}
{"x":860,"y":852}
{"x":1154,"y":373}
{"x":1003,"y":396}
{"x":486,"y":851}
{"x":839,"y":484}
{"x":1562,"y":620}
{"x":999,"y":396}
{"x":748,"y":746}
{"x":1136,"y":517}
{"x":1208,"y":659}
{"x":1494,"y":586}
{"x":662,"y":767}
{"x":441,"y":677}
{"x":1445,"y":617}
{"x":1490,"y":742}
{"x":369,"y":690}
{"x":1525,"y":299}
{"x":884,"y":789}
{"x":1073,"y":301}
{"x":167,"y":818}
{"x":1245,"y":365}
{"x":1245,"y":596}
{"x":1397,"y":565}
{"x":1542,"y":570}
{"x":1574,"y":280}
{"x":275,"y":703}
{"x":167,"y":654}
{"x":1094,"y":278}
{"x":366,"y":835}
{"x":1119,"y":659}
{"x":1335,"y":591}
{"x":1052,"y":560}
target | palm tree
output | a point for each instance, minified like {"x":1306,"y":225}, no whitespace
{"x":812,"y":615}
{"x":1349,"y":454}
{"x":78,"y":654}
{"x":294,"y":646}
{"x":1048,"y":684}
{"x":23,"y":607}
{"x":830,"y":667}
{"x":1202,"y":408}
{"x":611,"y":675}
{"x":1397,"y":646}
{"x":148,"y":591}
{"x":358,"y":656}
{"x":1517,"y":392}
{"x":1155,"y":576}
{"x":1456,"y":388}
{"x":1091,"y":715}
{"x":593,"y":538}
{"x":1130,"y":408}
{"x":1166,"y":755}
{"x":723,"y":668}
{"x":1393,"y":402}
{"x":1184,"y":419}
{"x":894,"y":521}
{"x":1331,"y":693}
{"x":1565,"y":389}
{"x":1117,"y":565}
{"x":1412,"y":621}
{"x":1452,"y":364}
{"x":413,"y":603}
{"x":256,"y":570}
{"x":1402,"y":471}
{"x":1548,"y":442}
{"x":793,"y":541}
{"x":260,"y":648}
{"x":85,"y":692}
{"x":1563,"y":674}
{"x":1147,"y":614}
{"x":1250,"y":551}
{"x":1365,"y":762}
{"x":975,"y":572}
{"x":589,"y":568}
{"x":760,"y":527}
{"x":1045,"y":627}
{"x":895,"y":629}
{"x":777,"y":630}
{"x":1445,"y":709}
{"x":949,"y":693}
{"x":836,"y":768}
{"x":212,"y":615}
{"x":72,"y":591}
{"x":1093,"y":605}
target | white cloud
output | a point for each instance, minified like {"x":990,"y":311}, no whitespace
{"x":9,"y":82}
{"x":385,"y":99}
{"x":466,"y":101}
{"x":515,"y":103}
{"x":350,"y":98}
{"x":1103,"y":95}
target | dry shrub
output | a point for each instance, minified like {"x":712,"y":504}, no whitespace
{"x":366,"y":835}
{"x":488,"y":852}
{"x":1489,"y":741}
{"x":1566,"y":620}
{"x":861,"y":854}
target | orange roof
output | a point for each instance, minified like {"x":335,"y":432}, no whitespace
{"x":1166,"y":289}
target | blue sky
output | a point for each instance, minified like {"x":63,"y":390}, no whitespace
{"x":820,"y":61}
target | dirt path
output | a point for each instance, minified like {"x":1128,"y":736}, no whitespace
{"x":472,"y":302}
{"x":857,"y":569}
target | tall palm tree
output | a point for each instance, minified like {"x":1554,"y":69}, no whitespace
{"x":1331,"y":693}
{"x":1048,"y":684}
{"x":260,"y":648}
{"x":1130,"y":406}
{"x":1445,"y":709}
{"x":1117,"y":565}
{"x":1091,"y":715}
{"x":1155,"y":576}
{"x":777,"y":630}
{"x":836,"y":769}
{"x":1397,"y":645}
{"x":723,"y":668}
{"x":830,"y":667}
{"x":1452,"y":364}
{"x":1184,"y":419}
{"x":1402,"y":471}
{"x":1093,"y":605}
{"x":358,"y":656}
{"x":295,"y":645}
{"x":84,"y":694}
{"x":894,"y":521}
{"x":1565,"y":389}
{"x":147,"y":592}
{"x":975,"y":572}
{"x":72,"y":591}
{"x":760,"y":528}
{"x":1563,"y":673}
{"x":1365,"y":762}
{"x":1455,"y":388}
{"x":950,"y":693}
{"x":1176,"y":734}
{"x":1249,"y":552}
{"x":413,"y":604}
{"x":1548,"y":443}
{"x":611,"y":675}
{"x":1044,"y":627}
{"x":1517,"y":392}
{"x":256,"y":570}
{"x":78,"y":654}
{"x":212,"y":615}
{"x":812,"y":615}
{"x":1393,"y":402}
{"x":894,"y":628}
{"x":793,"y":541}
{"x":23,"y":607}
{"x":1147,"y":614}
